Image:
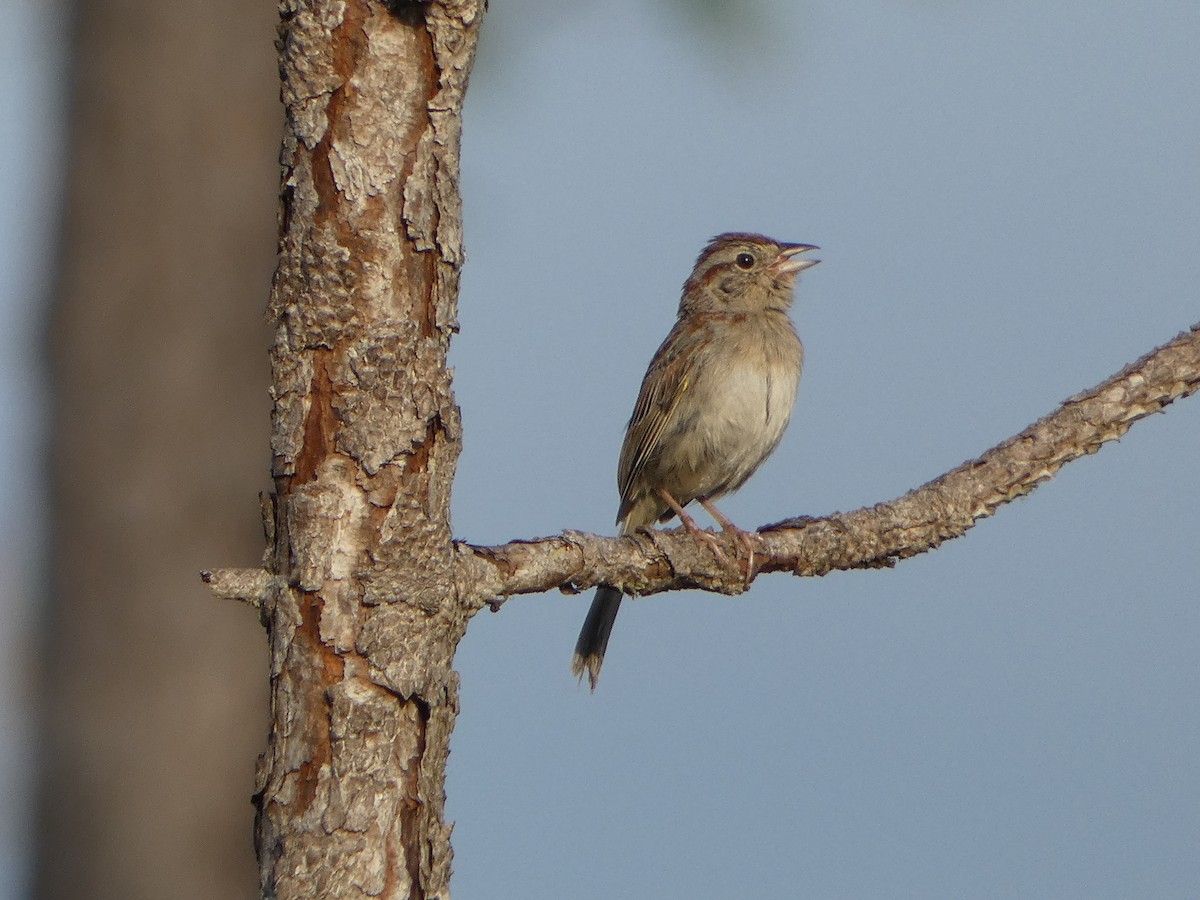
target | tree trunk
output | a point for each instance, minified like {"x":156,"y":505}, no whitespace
{"x":154,"y":698}
{"x":363,"y":614}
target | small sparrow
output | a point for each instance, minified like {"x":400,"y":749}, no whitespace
{"x":713,"y":405}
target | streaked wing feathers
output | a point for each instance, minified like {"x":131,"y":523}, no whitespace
{"x":664,"y":385}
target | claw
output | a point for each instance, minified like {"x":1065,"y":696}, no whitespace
{"x":693,"y":529}
{"x":743,"y":538}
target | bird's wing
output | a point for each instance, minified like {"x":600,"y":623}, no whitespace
{"x":666,"y":381}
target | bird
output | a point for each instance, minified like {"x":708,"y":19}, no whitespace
{"x":713,"y":404}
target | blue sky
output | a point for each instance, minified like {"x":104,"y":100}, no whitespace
{"x":1006,"y":199}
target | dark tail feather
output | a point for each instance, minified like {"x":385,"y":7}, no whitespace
{"x":593,"y":637}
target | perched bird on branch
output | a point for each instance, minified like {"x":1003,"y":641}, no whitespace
{"x":713,"y":404}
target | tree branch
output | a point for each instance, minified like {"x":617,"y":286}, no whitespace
{"x":874,"y":537}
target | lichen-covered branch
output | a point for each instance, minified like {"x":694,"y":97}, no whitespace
{"x":877,"y":536}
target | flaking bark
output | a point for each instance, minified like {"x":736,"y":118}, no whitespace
{"x":360,"y":604}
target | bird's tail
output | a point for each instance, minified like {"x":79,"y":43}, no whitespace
{"x":593,"y":637}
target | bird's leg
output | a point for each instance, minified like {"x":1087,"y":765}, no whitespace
{"x":741,"y":537}
{"x":692,"y":528}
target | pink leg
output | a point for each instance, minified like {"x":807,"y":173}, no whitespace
{"x":692,"y":528}
{"x":742,"y":537}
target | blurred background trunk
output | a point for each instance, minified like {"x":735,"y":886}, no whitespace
{"x":154,"y":703}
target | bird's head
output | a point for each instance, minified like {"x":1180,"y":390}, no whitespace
{"x":743,"y":273}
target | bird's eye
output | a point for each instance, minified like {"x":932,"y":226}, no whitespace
{"x":745,"y":261}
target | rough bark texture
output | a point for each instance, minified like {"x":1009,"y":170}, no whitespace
{"x":363,"y":615}
{"x":153,"y":696}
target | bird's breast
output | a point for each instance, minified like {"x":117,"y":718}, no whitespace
{"x":748,"y":401}
{"x":734,"y":411}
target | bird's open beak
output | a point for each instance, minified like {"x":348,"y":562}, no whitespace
{"x":787,"y":264}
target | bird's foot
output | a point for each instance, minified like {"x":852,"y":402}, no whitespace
{"x":743,"y":539}
{"x":707,"y":537}
{"x":689,"y":524}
